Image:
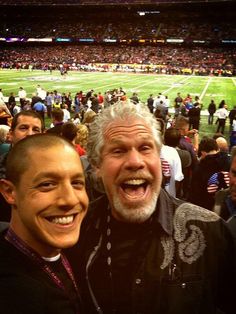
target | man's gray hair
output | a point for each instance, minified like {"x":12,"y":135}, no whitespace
{"x":119,"y":111}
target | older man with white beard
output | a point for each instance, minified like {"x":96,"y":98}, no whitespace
{"x":141,"y":250}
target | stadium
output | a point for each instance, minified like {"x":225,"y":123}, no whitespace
{"x":117,"y":156}
{"x":146,"y":47}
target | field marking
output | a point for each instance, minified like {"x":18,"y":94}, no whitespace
{"x":147,"y":83}
{"x":205,"y":88}
{"x":180,"y":82}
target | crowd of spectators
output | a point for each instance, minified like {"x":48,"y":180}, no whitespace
{"x":168,"y":60}
{"x":132,"y":28}
{"x":89,"y":2}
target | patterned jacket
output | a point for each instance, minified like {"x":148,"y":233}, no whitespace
{"x":183,"y":264}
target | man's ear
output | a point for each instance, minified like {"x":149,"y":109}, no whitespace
{"x":7,"y":188}
{"x":10,"y":136}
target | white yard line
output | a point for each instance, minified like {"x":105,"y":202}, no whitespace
{"x":179,"y":82}
{"x":234,"y":81}
{"x":205,"y":88}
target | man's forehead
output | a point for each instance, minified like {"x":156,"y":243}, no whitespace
{"x":28,"y":120}
{"x":130,"y":123}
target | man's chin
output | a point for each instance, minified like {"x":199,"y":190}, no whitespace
{"x":133,"y":212}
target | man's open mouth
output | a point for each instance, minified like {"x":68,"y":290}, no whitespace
{"x":135,"y":187}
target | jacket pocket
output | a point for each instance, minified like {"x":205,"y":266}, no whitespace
{"x":183,"y":296}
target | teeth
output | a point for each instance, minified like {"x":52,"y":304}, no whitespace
{"x":135,"y":181}
{"x":63,"y":220}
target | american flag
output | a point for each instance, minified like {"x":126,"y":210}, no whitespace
{"x":165,"y":168}
{"x":218,"y":181}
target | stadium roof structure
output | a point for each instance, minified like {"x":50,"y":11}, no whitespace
{"x":105,"y":2}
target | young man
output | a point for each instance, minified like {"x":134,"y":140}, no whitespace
{"x":143,"y":251}
{"x":225,"y":199}
{"x":210,"y":175}
{"x":57,"y":121}
{"x":46,"y":191}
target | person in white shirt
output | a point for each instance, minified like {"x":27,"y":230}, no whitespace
{"x":1,"y":96}
{"x":222,"y":114}
{"x":22,"y":96}
{"x":42,"y":94}
{"x":171,"y":168}
{"x":66,"y":117}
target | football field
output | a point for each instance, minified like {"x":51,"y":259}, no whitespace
{"x":207,"y":88}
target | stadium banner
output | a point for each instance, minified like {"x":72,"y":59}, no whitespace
{"x":46,"y":40}
{"x":174,"y":40}
{"x":14,"y":39}
{"x":86,"y":40}
{"x":64,"y":40}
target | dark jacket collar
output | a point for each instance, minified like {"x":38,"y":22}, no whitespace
{"x":163,"y":214}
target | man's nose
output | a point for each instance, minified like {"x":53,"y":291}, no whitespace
{"x":68,"y":196}
{"x":30,"y":131}
{"x":134,"y":159}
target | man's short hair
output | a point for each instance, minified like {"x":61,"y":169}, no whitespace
{"x":58,"y":114}
{"x":181,"y":122}
{"x":207,"y":144}
{"x":172,"y":137}
{"x":25,"y":113}
{"x":69,"y":131}
{"x":19,"y":156}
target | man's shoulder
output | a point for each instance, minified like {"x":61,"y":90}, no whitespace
{"x":187,"y":212}
{"x":197,"y":229}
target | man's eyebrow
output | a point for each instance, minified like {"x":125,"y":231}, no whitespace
{"x":23,"y":124}
{"x":56,"y":175}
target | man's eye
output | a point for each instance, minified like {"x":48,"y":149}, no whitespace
{"x":145,"y":148}
{"x":37,"y":130}
{"x":118,"y":151}
{"x":23,"y":128}
{"x":78,"y":184}
{"x":46,"y":185}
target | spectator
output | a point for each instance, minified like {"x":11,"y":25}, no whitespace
{"x":150,"y":102}
{"x":225,"y":200}
{"x":211,"y":110}
{"x":210,"y":175}
{"x":66,"y":116}
{"x":24,"y":124}
{"x":57,"y":121}
{"x":137,"y":239}
{"x":4,"y":145}
{"x":194,"y":116}
{"x":232,"y":116}
{"x":40,"y":108}
{"x":172,"y":138}
{"x":22,"y":96}
{"x":35,"y":276}
{"x":222,"y":114}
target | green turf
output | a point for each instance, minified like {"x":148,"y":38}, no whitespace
{"x":207,"y":88}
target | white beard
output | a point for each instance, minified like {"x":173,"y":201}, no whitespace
{"x":136,"y":214}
